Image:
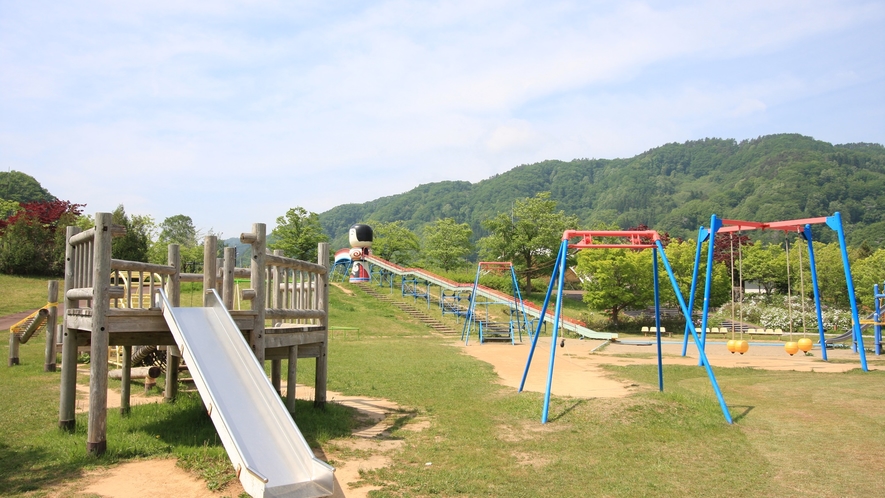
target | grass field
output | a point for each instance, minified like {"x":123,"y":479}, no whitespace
{"x":796,"y":434}
{"x":22,"y":293}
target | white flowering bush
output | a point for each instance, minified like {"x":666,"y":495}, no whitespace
{"x":753,"y":306}
{"x":836,"y":319}
{"x":772,"y":312}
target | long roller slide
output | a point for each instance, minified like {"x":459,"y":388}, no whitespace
{"x":264,"y":444}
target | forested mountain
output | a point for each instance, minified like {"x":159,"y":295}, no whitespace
{"x":673,"y":188}
{"x":21,"y":187}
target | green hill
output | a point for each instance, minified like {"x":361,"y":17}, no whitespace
{"x":21,"y":187}
{"x":673,"y":188}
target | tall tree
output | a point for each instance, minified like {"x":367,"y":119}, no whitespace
{"x":529,"y":236}
{"x":394,"y":242}
{"x":616,"y":279}
{"x":765,"y":264}
{"x":178,"y":229}
{"x":681,"y":256}
{"x":135,"y":245}
{"x":297,"y":233}
{"x":447,"y":244}
{"x":32,"y":240}
{"x":866,"y":273}
{"x":8,"y":208}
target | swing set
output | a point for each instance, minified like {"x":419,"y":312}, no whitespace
{"x":803,"y":228}
{"x":635,"y":239}
{"x":479,"y":315}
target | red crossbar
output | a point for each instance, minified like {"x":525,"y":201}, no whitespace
{"x":635,"y":237}
{"x":788,"y":225}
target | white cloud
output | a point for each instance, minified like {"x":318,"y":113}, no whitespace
{"x":193,"y":108}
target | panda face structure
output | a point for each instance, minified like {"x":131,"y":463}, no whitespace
{"x":360,"y":235}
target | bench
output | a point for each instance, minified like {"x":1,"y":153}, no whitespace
{"x":765,"y":332}
{"x":652,"y":330}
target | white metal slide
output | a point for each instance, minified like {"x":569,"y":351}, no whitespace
{"x":265,"y":446}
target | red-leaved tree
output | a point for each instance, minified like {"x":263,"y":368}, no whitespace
{"x":32,"y":240}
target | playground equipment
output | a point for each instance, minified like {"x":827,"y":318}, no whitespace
{"x":269,"y":453}
{"x":487,"y":327}
{"x":341,"y":265}
{"x":450,"y":303}
{"x":360,"y":242}
{"x":804,"y":344}
{"x":387,"y":271}
{"x":876,"y":319}
{"x":416,"y":288}
{"x":21,"y":332}
{"x":803,"y":228}
{"x":291,"y":294}
{"x":637,"y":239}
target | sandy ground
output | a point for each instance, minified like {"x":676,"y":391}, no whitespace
{"x":162,"y":478}
{"x":577,"y":373}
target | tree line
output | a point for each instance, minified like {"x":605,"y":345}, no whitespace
{"x":527,"y":232}
{"x":673,"y":188}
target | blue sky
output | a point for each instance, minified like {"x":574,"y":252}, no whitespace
{"x":233,"y":112}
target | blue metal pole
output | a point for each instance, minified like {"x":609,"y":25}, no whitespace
{"x":820,"y":320}
{"x":520,"y":306}
{"x":563,"y":248}
{"x":468,"y":322}
{"x":557,"y":315}
{"x":703,"y":234}
{"x":428,"y":294}
{"x":835,"y":222}
{"x":877,"y":328}
{"x":694,"y":333}
{"x":654,"y":257}
{"x":715,"y":225}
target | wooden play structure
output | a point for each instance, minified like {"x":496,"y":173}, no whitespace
{"x":287,"y":320}
{"x":21,"y":332}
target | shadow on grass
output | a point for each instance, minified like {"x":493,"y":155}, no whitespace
{"x":744,"y":413}
{"x":399,"y":423}
{"x":568,"y":410}
{"x":25,"y":470}
{"x":190,"y":424}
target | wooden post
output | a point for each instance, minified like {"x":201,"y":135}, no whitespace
{"x":68,"y":396}
{"x":51,"y":321}
{"x":323,"y":299}
{"x":96,"y":436}
{"x":125,"y":387}
{"x":259,"y":246}
{"x":278,"y":294}
{"x":228,"y":280}
{"x":173,"y":356}
{"x":210,"y":243}
{"x":276,"y":367}
{"x":219,"y":264}
{"x":291,"y":378}
{"x":14,"y":341}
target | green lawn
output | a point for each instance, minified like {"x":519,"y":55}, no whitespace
{"x":796,"y":434}
{"x":23,"y":293}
